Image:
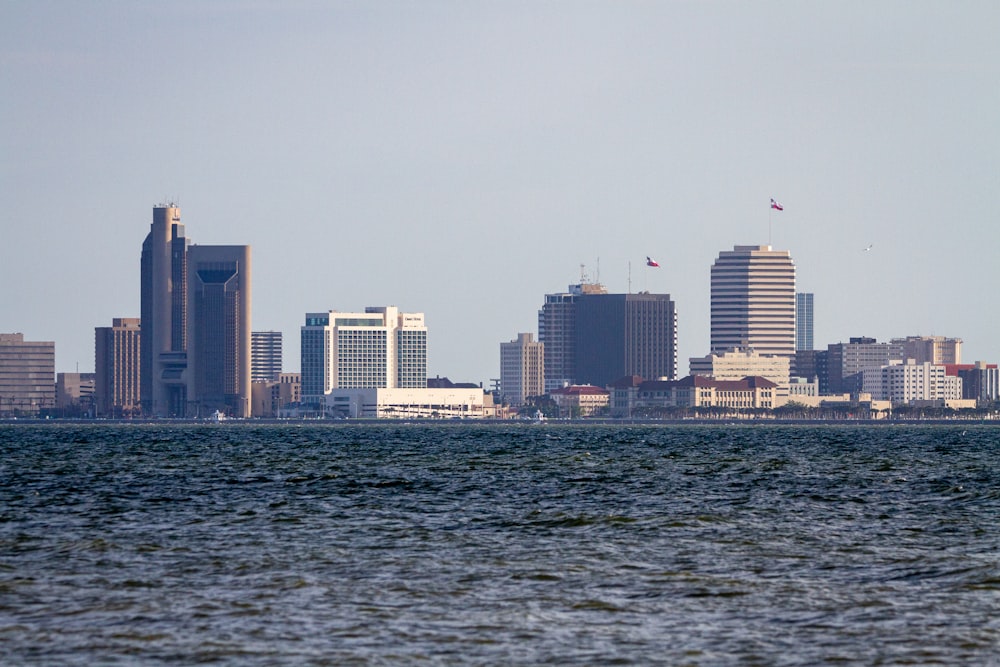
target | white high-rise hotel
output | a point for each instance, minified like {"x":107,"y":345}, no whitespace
{"x":753,"y":301}
{"x":380,"y":348}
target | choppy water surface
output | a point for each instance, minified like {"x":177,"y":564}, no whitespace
{"x":257,"y":545}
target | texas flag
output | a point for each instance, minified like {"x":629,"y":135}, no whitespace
{"x":651,"y":262}
{"x":776,"y":205}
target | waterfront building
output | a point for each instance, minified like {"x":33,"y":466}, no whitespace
{"x":938,"y":350}
{"x":195,"y":316}
{"x":753,"y":301}
{"x":27,"y":375}
{"x":698,"y":391}
{"x":580,"y":400}
{"x":379,"y":348}
{"x":408,"y":403}
{"x":803,"y":321}
{"x":522,"y":369}
{"x":116,"y":368}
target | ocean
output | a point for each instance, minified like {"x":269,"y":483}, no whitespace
{"x":528,"y":544}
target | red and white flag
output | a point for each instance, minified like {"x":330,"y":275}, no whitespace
{"x":651,"y":262}
{"x":775,"y":205}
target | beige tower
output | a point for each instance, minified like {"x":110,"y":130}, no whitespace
{"x":116,"y":364}
{"x":753,"y":301}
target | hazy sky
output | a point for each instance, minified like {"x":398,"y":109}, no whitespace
{"x":463,"y":159}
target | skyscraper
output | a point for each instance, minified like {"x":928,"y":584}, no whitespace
{"x":195,"y":343}
{"x":218,"y":354}
{"x":625,"y":334}
{"x":163,"y":312}
{"x":803,"y":321}
{"x":379,"y":348}
{"x":116,"y":365}
{"x":522,"y":369}
{"x":753,"y":301}
{"x":265,"y":356}
{"x":557,"y":332}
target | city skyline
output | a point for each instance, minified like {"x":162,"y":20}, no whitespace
{"x":462,"y":161}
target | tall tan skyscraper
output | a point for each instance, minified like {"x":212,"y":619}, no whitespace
{"x":195,"y":344}
{"x":753,"y":301}
{"x":163,"y":312}
{"x":116,"y":365}
{"x":522,"y":369}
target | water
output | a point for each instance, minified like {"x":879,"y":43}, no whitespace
{"x":234,"y":544}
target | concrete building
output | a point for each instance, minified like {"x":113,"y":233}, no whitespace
{"x":753,"y":301}
{"x":265,"y":356}
{"x":27,"y":375}
{"x":738,"y":364}
{"x":844,"y":361}
{"x":557,"y":332}
{"x":218,"y":337}
{"x":380,"y":348}
{"x":698,"y":391}
{"x":116,"y":369}
{"x":910,"y":382}
{"x":408,"y":403}
{"x":195,"y":312}
{"x":522,"y":369}
{"x":75,"y":394}
{"x":980,"y":381}
{"x":625,"y":334}
{"x":803,"y":321}
{"x":937,"y":350}
{"x":275,"y":398}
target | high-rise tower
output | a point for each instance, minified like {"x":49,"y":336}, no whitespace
{"x":803,"y":321}
{"x":753,"y":301}
{"x":195,"y":318}
{"x":379,"y":348}
{"x":218,"y":354}
{"x":116,"y":364}
{"x":163,"y":313}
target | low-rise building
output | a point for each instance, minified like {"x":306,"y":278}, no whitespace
{"x":409,"y":403}
{"x":580,"y":400}
{"x":696,"y":391}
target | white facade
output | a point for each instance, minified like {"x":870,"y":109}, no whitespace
{"x":908,"y":382}
{"x":379,"y":348}
{"x":410,"y":403}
